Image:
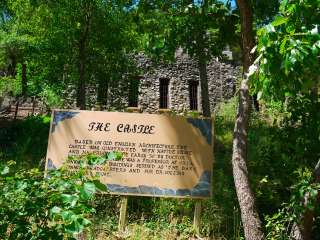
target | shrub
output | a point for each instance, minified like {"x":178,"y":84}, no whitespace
{"x":58,"y":206}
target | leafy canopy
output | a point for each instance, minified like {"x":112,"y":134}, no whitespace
{"x":288,"y":51}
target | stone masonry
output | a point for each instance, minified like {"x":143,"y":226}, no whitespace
{"x":221,"y":80}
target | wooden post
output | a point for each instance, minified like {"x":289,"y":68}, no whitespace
{"x":123,"y":214}
{"x":24,"y":84}
{"x":33,"y":105}
{"x":16,"y":110}
{"x":197,"y":217}
{"x":124,"y":199}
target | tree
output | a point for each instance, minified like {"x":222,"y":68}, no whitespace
{"x":197,"y":28}
{"x":14,"y":46}
{"x":77,"y":44}
{"x":202,"y":38}
{"x":249,"y":215}
{"x":288,"y":72}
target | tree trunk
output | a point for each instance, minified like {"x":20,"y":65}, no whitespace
{"x":247,"y":36}
{"x":249,"y":215}
{"x":205,"y":102}
{"x":102,"y":97}
{"x":202,"y":64}
{"x":81,"y":93}
{"x":303,"y":230}
{"x":12,"y":66}
{"x":24,"y":80}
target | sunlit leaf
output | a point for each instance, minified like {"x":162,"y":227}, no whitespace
{"x":279,"y":21}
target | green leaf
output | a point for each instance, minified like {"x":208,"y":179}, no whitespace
{"x":77,"y":224}
{"x":55,"y":210}
{"x":100,"y":186}
{"x":279,"y":21}
{"x":100,"y":160}
{"x":74,"y":228}
{"x":119,"y":155}
{"x":95,"y":160}
{"x":67,"y":215}
{"x":86,"y":221}
{"x":270,"y":28}
{"x":87,"y":191}
{"x":5,"y":170}
{"x":69,"y":199}
{"x":283,"y":46}
{"x":315,"y":30}
{"x":116,"y":155}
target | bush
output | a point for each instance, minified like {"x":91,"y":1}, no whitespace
{"x":25,"y":141}
{"x":58,"y":206}
{"x":9,"y":85}
{"x":303,"y":198}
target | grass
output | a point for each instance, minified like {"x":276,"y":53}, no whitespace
{"x":160,"y":218}
{"x":148,"y":218}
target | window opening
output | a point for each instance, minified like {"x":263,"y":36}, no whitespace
{"x":134,"y":91}
{"x":164,"y":92}
{"x":193,"y":95}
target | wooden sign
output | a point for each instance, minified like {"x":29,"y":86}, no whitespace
{"x":162,"y":155}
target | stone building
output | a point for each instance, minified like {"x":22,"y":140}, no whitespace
{"x":176,"y":86}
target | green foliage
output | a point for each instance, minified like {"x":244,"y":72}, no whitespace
{"x":57,"y":206}
{"x":264,"y":11}
{"x":9,"y":86}
{"x":68,"y":44}
{"x":25,"y":142}
{"x":286,"y":78}
{"x":50,"y":97}
{"x":276,"y":151}
{"x":161,"y":218}
{"x":47,"y":36}
{"x":202,"y":30}
{"x":279,"y":225}
{"x":288,"y":51}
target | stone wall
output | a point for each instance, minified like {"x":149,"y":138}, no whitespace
{"x":221,"y":80}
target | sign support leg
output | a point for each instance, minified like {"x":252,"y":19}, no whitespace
{"x":123,"y":214}
{"x":197,"y":216}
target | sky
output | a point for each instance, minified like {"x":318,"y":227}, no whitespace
{"x":233,"y":3}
